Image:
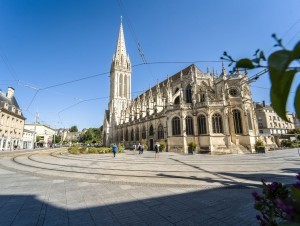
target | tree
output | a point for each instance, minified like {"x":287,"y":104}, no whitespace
{"x":92,"y":135}
{"x":280,"y":65}
{"x":57,"y":139}
{"x":38,"y":138}
{"x":73,"y":129}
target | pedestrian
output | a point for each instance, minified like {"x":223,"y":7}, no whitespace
{"x":114,"y":149}
{"x":134,"y":148}
{"x":142,"y":149}
{"x":156,"y":148}
{"x":139,"y":148}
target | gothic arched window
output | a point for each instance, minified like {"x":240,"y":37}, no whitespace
{"x":125,"y":87}
{"x":237,"y":121}
{"x":189,"y":125}
{"x":249,"y":120}
{"x":160,"y":132}
{"x":151,"y":131}
{"x":121,"y":85}
{"x":201,"y":124}
{"x":144,"y":133}
{"x":121,"y":134}
{"x":132,"y":135}
{"x":126,"y":135}
{"x":188,"y":94}
{"x":137,"y":134}
{"x":217,"y":123}
{"x":176,"y":126}
{"x":177,"y":100}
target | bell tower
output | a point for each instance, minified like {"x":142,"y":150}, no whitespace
{"x":120,"y":86}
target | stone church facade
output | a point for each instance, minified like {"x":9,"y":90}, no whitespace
{"x":214,"y":111}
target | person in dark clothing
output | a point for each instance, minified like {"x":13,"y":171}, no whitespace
{"x":114,"y":149}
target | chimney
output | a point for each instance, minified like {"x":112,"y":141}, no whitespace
{"x":10,"y":92}
{"x":264,"y":103}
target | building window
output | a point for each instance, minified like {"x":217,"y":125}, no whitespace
{"x":233,"y":92}
{"x":160,"y":132}
{"x":176,"y":126}
{"x":137,"y":134}
{"x":132,"y":135}
{"x":237,"y":120}
{"x":121,"y":135}
{"x":126,"y":135}
{"x":177,"y":100}
{"x":121,"y":85}
{"x":202,"y":97}
{"x":189,"y":125}
{"x":188,"y":93}
{"x":151,"y":131}
{"x":217,"y":123}
{"x":261,"y":131}
{"x":144,"y":133}
{"x":260,"y":125}
{"x":201,"y":124}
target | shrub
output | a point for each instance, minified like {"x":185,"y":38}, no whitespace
{"x":74,"y":150}
{"x":144,"y":143}
{"x":162,"y":146}
{"x":259,"y":144}
{"x":192,"y":145}
{"x":278,"y":204}
{"x":121,"y":148}
{"x":91,"y":150}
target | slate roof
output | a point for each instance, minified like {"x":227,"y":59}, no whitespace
{"x":11,"y":102}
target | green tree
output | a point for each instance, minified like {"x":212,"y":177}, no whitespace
{"x":38,"y":138}
{"x":282,"y":66}
{"x":57,"y":139}
{"x":73,"y":129}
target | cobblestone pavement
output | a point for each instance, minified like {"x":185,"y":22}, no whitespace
{"x":50,"y":187}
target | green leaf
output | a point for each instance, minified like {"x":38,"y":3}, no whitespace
{"x":296,"y":51}
{"x":244,"y":63}
{"x":280,"y":91}
{"x":297,"y":101}
{"x":281,"y":79}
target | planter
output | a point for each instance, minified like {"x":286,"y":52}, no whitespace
{"x":260,"y":150}
{"x":191,"y":151}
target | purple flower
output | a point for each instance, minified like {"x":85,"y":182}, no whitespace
{"x":288,"y":209}
{"x":274,"y":185}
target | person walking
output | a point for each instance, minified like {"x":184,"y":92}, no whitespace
{"x":114,"y":149}
{"x":139,"y":148}
{"x":134,"y":148}
{"x":156,"y":148}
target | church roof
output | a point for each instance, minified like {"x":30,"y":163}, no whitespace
{"x":176,"y":76}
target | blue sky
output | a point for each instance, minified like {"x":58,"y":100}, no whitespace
{"x":43,"y":43}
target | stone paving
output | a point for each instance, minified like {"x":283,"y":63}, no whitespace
{"x":50,"y":187}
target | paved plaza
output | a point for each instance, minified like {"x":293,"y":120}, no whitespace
{"x":51,"y":187}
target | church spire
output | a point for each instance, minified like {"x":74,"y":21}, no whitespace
{"x":121,"y":48}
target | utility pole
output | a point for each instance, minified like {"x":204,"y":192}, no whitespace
{"x":34,"y":135}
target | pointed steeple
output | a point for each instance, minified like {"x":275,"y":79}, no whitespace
{"x":223,"y":70}
{"x":121,"y":47}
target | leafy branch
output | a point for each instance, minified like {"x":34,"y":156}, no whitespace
{"x":281,"y":73}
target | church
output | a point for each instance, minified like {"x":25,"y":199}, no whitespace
{"x":214,"y":111}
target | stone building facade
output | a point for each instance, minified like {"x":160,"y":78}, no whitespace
{"x":214,"y":111}
{"x":269,"y":123}
{"x":11,"y":121}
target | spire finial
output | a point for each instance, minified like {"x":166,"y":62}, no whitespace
{"x":223,"y":69}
